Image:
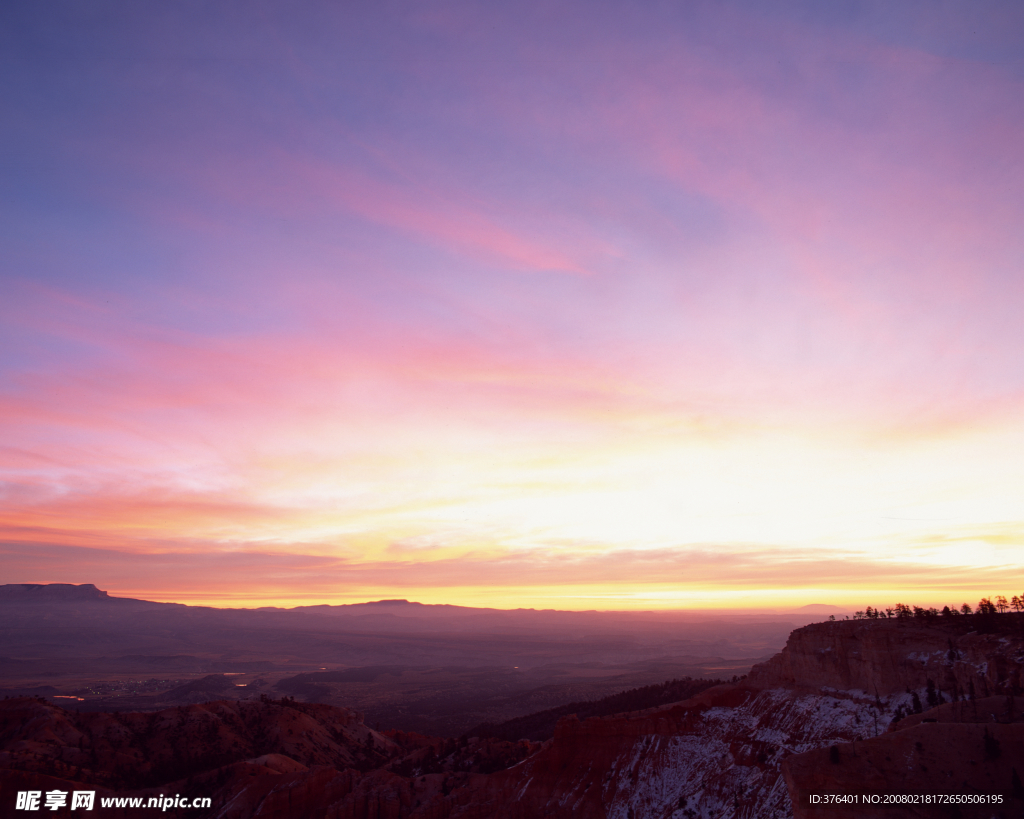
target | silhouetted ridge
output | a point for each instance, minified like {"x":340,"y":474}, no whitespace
{"x":51,"y":591}
{"x":541,"y":725}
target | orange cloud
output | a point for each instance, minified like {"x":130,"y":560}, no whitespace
{"x":666,"y":578}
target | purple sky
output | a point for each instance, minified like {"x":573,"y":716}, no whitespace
{"x":569,"y":305}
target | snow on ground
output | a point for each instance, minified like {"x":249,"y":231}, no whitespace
{"x":730,"y":766}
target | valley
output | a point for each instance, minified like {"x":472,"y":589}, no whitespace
{"x":873,"y":706}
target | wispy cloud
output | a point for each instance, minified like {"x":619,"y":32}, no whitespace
{"x":472,"y":298}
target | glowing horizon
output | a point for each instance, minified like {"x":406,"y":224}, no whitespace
{"x":665,"y":308}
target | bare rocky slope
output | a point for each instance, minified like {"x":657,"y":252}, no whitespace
{"x":750,"y":750}
{"x":890,"y":656}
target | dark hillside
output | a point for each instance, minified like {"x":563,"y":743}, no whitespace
{"x":541,"y":725}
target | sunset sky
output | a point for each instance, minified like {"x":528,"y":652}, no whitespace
{"x":553,"y":304}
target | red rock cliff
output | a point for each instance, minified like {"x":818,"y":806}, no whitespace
{"x":890,"y":656}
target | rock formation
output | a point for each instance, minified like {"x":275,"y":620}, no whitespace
{"x":890,"y":656}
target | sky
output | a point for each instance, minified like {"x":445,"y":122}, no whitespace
{"x":577,"y":305}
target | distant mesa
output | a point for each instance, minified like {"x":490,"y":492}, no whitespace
{"x":358,"y":606}
{"x":52,"y":591}
{"x":819,"y":608}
